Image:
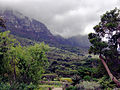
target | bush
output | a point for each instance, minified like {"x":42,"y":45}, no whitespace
{"x":87,"y":78}
{"x":49,"y":76}
{"x":76,"y":79}
{"x":4,"y":86}
{"x":84,"y":71}
{"x":86,"y":85}
{"x":72,"y":88}
{"x":66,"y":79}
{"x":17,"y":86}
{"x":95,"y":79}
{"x":58,"y":83}
{"x":106,"y":83}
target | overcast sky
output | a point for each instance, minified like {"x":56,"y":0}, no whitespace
{"x":64,"y":17}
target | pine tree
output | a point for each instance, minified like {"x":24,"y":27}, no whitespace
{"x":105,"y":42}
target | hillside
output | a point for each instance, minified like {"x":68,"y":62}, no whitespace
{"x":79,"y":40}
{"x":24,"y":27}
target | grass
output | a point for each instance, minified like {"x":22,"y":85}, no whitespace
{"x":90,"y":85}
{"x":66,"y":79}
{"x":47,"y":86}
{"x":50,"y":84}
{"x":43,"y":88}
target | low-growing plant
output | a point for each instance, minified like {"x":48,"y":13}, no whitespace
{"x":4,"y":86}
{"x":87,"y":85}
{"x":87,"y":78}
{"x":72,"y":88}
{"x":49,"y":76}
{"x":58,"y":83}
{"x":17,"y":86}
{"x":43,"y":88}
{"x":76,"y":79}
{"x":66,"y":79}
{"x":106,"y":82}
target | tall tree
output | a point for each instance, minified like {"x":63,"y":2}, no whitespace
{"x":105,"y":42}
{"x":7,"y":43}
{"x":37,"y":62}
{"x":4,"y":41}
{"x":21,"y":64}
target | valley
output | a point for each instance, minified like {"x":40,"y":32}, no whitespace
{"x":34,"y":58}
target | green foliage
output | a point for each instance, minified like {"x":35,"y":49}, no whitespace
{"x":86,"y":85}
{"x":28,"y":63}
{"x":76,"y":79}
{"x":21,"y":64}
{"x":49,"y":76}
{"x":97,"y":44}
{"x":87,"y":78}
{"x":4,"y":86}
{"x":17,"y":86}
{"x":106,"y":83}
{"x":38,"y":61}
{"x":66,"y":79}
{"x":6,"y":45}
{"x":72,"y":88}
{"x":86,"y":71}
{"x":20,"y":67}
{"x":12,"y":60}
{"x":105,"y":40}
{"x":109,"y":23}
{"x":48,"y":84}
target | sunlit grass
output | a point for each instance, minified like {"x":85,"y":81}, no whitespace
{"x":66,"y":79}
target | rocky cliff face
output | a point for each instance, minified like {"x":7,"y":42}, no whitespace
{"x":80,"y":41}
{"x":25,"y":27}
{"x":22,"y":26}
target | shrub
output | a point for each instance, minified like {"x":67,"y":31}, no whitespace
{"x":106,"y":83}
{"x":4,"y":86}
{"x":87,"y":78}
{"x":66,"y":79}
{"x":49,"y":76}
{"x":58,"y":83}
{"x":86,"y":85}
{"x":17,"y":86}
{"x":75,"y":79}
{"x":72,"y":88}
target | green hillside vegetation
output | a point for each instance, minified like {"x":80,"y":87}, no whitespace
{"x":30,"y":65}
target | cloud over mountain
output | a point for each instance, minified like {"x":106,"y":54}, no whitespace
{"x":64,"y":17}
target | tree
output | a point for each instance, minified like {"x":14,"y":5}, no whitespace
{"x":18,"y":63}
{"x":2,"y":23}
{"x":5,"y":44}
{"x":106,"y":40}
{"x":37,"y":61}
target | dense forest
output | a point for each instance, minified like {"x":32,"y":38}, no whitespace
{"x":27,"y":64}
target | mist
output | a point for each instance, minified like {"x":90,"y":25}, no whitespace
{"x":63,"y":17}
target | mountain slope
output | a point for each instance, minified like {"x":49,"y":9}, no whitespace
{"x":80,"y":41}
{"x":22,"y":26}
{"x":25,"y":27}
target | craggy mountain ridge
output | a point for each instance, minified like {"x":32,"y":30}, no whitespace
{"x":25,"y":27}
{"x":79,"y":40}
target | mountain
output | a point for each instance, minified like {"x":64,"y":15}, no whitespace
{"x":22,"y":26}
{"x":28,"y":28}
{"x":80,"y":41}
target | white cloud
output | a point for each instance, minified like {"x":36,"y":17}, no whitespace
{"x":64,"y":17}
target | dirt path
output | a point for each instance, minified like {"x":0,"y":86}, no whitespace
{"x":57,"y":89}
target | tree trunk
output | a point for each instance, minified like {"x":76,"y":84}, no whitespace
{"x":14,"y":69}
{"x":109,"y":73}
{"x":14,"y":72}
